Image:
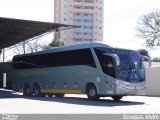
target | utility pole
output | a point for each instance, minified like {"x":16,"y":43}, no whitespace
{"x":24,"y":48}
{"x":3,"y":52}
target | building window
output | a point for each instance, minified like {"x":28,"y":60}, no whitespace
{"x":88,"y":39}
{"x":77,"y":14}
{"x":78,"y":0}
{"x":91,"y":21}
{"x":90,"y":1}
{"x":65,"y":19}
{"x":78,"y":7}
{"x":100,"y":8}
{"x":88,"y":14}
{"x":87,"y":33}
{"x":88,"y":7}
{"x":78,"y":39}
{"x":77,"y":33}
{"x":88,"y":27}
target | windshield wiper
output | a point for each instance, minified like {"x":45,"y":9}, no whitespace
{"x":130,"y":71}
{"x":133,"y":69}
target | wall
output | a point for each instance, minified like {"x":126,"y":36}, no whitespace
{"x":6,"y":68}
{"x":153,"y":81}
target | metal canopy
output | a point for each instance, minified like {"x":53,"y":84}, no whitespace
{"x":13,"y":31}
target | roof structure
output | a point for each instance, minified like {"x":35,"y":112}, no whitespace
{"x":13,"y":31}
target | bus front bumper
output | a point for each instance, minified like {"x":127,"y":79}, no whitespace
{"x":127,"y":88}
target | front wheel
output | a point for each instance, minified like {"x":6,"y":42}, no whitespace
{"x":92,"y":93}
{"x":117,"y":98}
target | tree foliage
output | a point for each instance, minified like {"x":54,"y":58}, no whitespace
{"x":54,"y":43}
{"x":144,"y":52}
{"x":156,"y":59}
{"x":149,"y":28}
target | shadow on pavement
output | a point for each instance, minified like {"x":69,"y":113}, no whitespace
{"x":4,"y":93}
{"x":86,"y":102}
{"x":9,"y":94}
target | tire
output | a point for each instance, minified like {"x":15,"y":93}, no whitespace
{"x":92,"y":93}
{"x":117,"y":98}
{"x":27,"y":91}
{"x":61,"y":95}
{"x":37,"y":91}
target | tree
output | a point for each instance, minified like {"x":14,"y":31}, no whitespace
{"x":28,"y":47}
{"x":149,"y":28}
{"x":56,"y":42}
{"x":144,"y":52}
{"x":156,"y":59}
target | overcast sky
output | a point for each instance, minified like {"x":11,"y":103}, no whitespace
{"x":120,"y":18}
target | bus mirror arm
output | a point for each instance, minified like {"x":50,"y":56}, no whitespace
{"x":115,"y":57}
{"x":145,"y":58}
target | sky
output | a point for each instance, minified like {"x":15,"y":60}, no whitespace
{"x":120,"y":18}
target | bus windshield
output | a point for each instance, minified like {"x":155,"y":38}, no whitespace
{"x":131,"y":68}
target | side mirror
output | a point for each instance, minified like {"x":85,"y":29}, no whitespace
{"x":115,"y":57}
{"x":145,"y":58}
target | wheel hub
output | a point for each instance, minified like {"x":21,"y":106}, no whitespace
{"x":92,"y":92}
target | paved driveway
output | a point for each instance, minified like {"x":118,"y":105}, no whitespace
{"x":73,"y":104}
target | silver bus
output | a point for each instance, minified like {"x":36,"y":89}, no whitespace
{"x":95,"y":69}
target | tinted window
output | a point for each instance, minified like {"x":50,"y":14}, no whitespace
{"x":66,"y":58}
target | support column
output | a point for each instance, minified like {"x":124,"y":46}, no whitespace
{"x":0,"y":54}
{"x":3,"y":52}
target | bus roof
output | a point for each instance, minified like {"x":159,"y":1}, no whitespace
{"x":73,"y":47}
{"x":70,"y":47}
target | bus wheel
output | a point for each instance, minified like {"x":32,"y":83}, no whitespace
{"x":37,"y":90}
{"x":27,"y":90}
{"x":92,"y":92}
{"x":59,"y":95}
{"x":117,"y":98}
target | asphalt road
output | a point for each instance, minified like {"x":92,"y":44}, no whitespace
{"x":15,"y":103}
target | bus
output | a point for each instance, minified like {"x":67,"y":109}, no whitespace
{"x":95,"y":69}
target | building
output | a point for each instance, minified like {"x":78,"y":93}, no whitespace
{"x":88,"y":14}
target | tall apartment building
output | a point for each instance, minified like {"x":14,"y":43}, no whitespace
{"x":88,"y":14}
